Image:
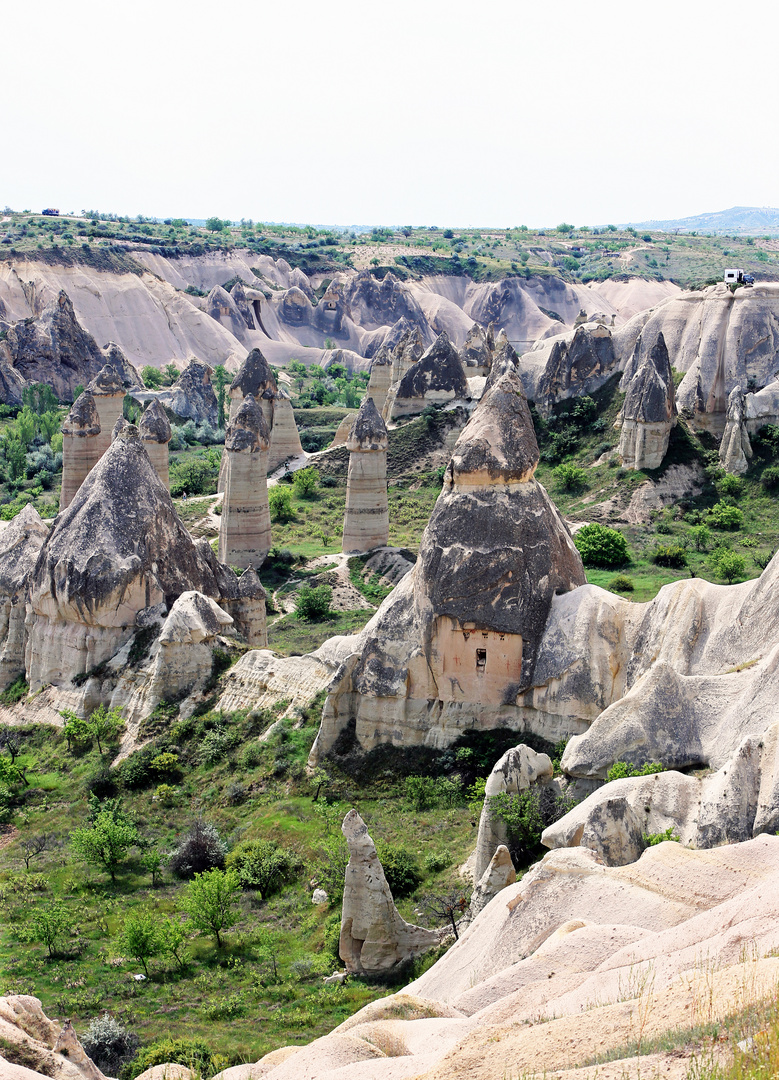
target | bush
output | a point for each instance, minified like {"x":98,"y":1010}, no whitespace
{"x":280,"y":503}
{"x":201,"y":849}
{"x":730,"y":485}
{"x":215,"y":745}
{"x":263,"y":865}
{"x":600,"y":546}
{"x":621,"y":583}
{"x":109,"y":1044}
{"x":770,"y":478}
{"x":193,"y":1053}
{"x":400,"y":868}
{"x":730,"y":565}
{"x":305,"y":482}
{"x":723,"y":516}
{"x":313,"y":603}
{"x":425,"y":792}
{"x":701,"y":537}
{"x":671,"y":555}
{"x":136,"y":771}
{"x":570,"y":477}
{"x":622,"y":769}
{"x":652,"y":839}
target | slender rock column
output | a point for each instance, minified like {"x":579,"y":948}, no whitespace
{"x":108,"y":391}
{"x":366,"y":522}
{"x":244,"y":532}
{"x":80,"y":445}
{"x":155,"y":433}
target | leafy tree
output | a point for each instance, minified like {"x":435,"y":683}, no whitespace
{"x":105,"y":725}
{"x":210,"y":902}
{"x":75,"y":730}
{"x":724,"y":516}
{"x":216,"y":224}
{"x":153,"y":378}
{"x":730,"y":485}
{"x":173,"y":934}
{"x":221,"y":379}
{"x":261,"y":864}
{"x":268,"y":947}
{"x":12,"y":773}
{"x":280,"y":503}
{"x":313,"y":603}
{"x":194,"y":1053}
{"x":141,"y":937}
{"x":152,"y":860}
{"x":600,"y":546}
{"x":701,"y":537}
{"x":400,"y":867}
{"x":48,"y":925}
{"x":201,"y":849}
{"x":672,"y":555}
{"x":570,"y":477}
{"x":520,"y":812}
{"x":305,"y":482}
{"x":730,"y":565}
{"x":106,"y":842}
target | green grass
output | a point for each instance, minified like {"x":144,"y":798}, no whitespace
{"x":293,"y":636}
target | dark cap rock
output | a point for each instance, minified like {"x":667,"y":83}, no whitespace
{"x":438,"y":369}
{"x":154,"y":425}
{"x":254,"y":376}
{"x":106,"y":382}
{"x":247,"y":431}
{"x":368,"y":431}
{"x":83,"y":418}
{"x":498,"y":444}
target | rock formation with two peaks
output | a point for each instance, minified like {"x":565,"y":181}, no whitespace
{"x":256,"y":377}
{"x":735,"y":450}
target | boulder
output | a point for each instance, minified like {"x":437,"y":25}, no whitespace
{"x":20,"y":544}
{"x":455,"y":643}
{"x":498,"y":874}
{"x":648,"y":411}
{"x":53,"y":349}
{"x":366,"y":519}
{"x":81,"y":448}
{"x":735,"y":450}
{"x":374,"y":937}
{"x":435,"y":379}
{"x":155,"y":432}
{"x":614,"y":831}
{"x":245,"y":530}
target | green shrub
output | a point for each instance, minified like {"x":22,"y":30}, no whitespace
{"x":263,"y":865}
{"x":136,"y":770}
{"x":730,"y":565}
{"x":425,"y":792}
{"x":730,"y":485}
{"x":313,"y":603}
{"x":671,"y":555}
{"x":621,"y":583}
{"x":600,"y":546}
{"x":305,"y":482}
{"x":201,"y":849}
{"x":652,"y":839}
{"x":15,"y":692}
{"x":622,"y":769}
{"x":701,"y":537}
{"x":724,"y":516}
{"x":280,"y":503}
{"x":569,"y":477}
{"x":436,"y":861}
{"x":193,"y":1053}
{"x":400,"y":868}
{"x":770,"y":478}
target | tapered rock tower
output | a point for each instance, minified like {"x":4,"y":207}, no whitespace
{"x":244,"y":533}
{"x":155,"y":434}
{"x":80,"y":445}
{"x":366,"y":522}
{"x":256,"y":377}
{"x":108,"y":391}
{"x":648,"y":411}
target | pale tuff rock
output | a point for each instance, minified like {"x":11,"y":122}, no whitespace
{"x":238,"y":294}
{"x":374,"y":937}
{"x":576,"y":365}
{"x":366,"y":521}
{"x":53,"y":349}
{"x":221,"y":306}
{"x":155,"y":433}
{"x":20,"y":543}
{"x":245,"y":530}
{"x":476,"y":352}
{"x":248,"y":610}
{"x":331,"y":310}
{"x":256,"y":377}
{"x":192,"y":396}
{"x":648,"y":411}
{"x":118,"y":549}
{"x":55,"y":1048}
{"x":435,"y":379}
{"x":504,"y":360}
{"x":296,"y":308}
{"x":108,"y":393}
{"x":406,"y":351}
{"x":261,"y":680}
{"x":80,"y":445}
{"x":342,"y":431}
{"x":516,"y":771}
{"x":497,"y":875}
{"x":127,"y":372}
{"x":454,"y":645}
{"x":735,"y":450}
{"x":381,"y":378}
{"x":373,"y":303}
{"x":285,"y":438}
{"x":613,"y":830}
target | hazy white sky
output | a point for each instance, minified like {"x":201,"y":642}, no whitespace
{"x":409,"y":112}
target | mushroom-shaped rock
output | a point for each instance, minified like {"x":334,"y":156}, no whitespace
{"x":499,"y":873}
{"x":20,"y":543}
{"x":285,"y":438}
{"x":476,"y":352}
{"x":255,"y":376}
{"x":374,"y":936}
{"x":108,"y":391}
{"x":366,"y":521}
{"x":244,"y":531}
{"x":117,"y":549}
{"x":381,"y":377}
{"x":156,"y":432}
{"x":519,"y":769}
{"x":115,"y":358}
{"x":248,"y":610}
{"x":435,"y":379}
{"x":648,"y":411}
{"x":80,"y":445}
{"x":735,"y":450}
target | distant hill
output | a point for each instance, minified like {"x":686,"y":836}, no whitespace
{"x":738,"y":221}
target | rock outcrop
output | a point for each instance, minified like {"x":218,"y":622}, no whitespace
{"x":11,"y":384}
{"x":127,"y":372}
{"x":53,"y":349}
{"x":54,"y":1051}
{"x":374,"y":937}
{"x":221,"y":306}
{"x":256,"y":377}
{"x":435,"y":379}
{"x":20,"y":543}
{"x":192,"y":395}
{"x":735,"y":450}
{"x":576,"y":365}
{"x":454,"y":646}
{"x":498,"y":873}
{"x":108,"y":393}
{"x":648,"y":411}
{"x":248,"y":610}
{"x":381,"y":378}
{"x":476,"y":352}
{"x":155,"y":433}
{"x":366,"y":520}
{"x":243,"y":303}
{"x":117,"y":550}
{"x":81,"y":449}
{"x":245,"y":531}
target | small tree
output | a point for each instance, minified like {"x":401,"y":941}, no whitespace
{"x":33,"y":846}
{"x":48,"y":924}
{"x":313,"y":603}
{"x":76,"y":729}
{"x":221,"y":378}
{"x":280,"y":503}
{"x":210,"y":902}
{"x":701,"y":537}
{"x":173,"y":934}
{"x":570,"y":477}
{"x":141,"y":937}
{"x":600,"y":546}
{"x":104,"y":725}
{"x":520,"y":812}
{"x":268,"y":948}
{"x":730,"y":565}
{"x":305,"y":482}
{"x":724,"y":516}
{"x":106,"y":843}
{"x":446,"y":907}
{"x":151,"y":861}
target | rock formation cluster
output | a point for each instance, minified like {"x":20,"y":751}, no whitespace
{"x":435,"y":379}
{"x":245,"y":531}
{"x":366,"y":520}
{"x":256,"y":377}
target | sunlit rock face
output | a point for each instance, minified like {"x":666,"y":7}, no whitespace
{"x":108,"y":391}
{"x":256,"y":377}
{"x":455,"y":644}
{"x":20,"y":543}
{"x":435,"y":379}
{"x":649,"y":411}
{"x":155,"y":433}
{"x":735,"y":450}
{"x":245,"y":531}
{"x":80,"y":445}
{"x":366,"y":520}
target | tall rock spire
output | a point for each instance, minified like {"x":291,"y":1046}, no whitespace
{"x":244,"y":531}
{"x":80,"y":445}
{"x":366,"y":521}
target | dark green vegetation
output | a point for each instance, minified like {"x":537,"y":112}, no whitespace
{"x":31,"y":453}
{"x":108,"y":242}
{"x":99,"y":880}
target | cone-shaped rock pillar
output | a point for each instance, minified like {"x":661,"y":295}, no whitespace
{"x":648,"y":411}
{"x":366,"y":522}
{"x":256,"y":377}
{"x":381,"y":377}
{"x":244,"y":533}
{"x":156,"y":432}
{"x":108,"y":391}
{"x":735,"y":450}
{"x":80,"y":445}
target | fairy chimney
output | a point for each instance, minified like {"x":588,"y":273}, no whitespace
{"x":108,"y":391}
{"x":80,"y":445}
{"x":366,"y":522}
{"x":244,"y":533}
{"x":155,"y":433}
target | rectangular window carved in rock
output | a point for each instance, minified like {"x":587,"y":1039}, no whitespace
{"x":481,"y":659}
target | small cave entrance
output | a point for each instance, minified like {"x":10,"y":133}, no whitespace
{"x":481,"y":659}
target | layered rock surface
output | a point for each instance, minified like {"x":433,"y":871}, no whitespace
{"x":81,"y":449}
{"x":435,"y":379}
{"x":245,"y":530}
{"x":192,"y":395}
{"x":366,"y":519}
{"x":108,"y":393}
{"x":155,"y":432}
{"x":648,"y":411}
